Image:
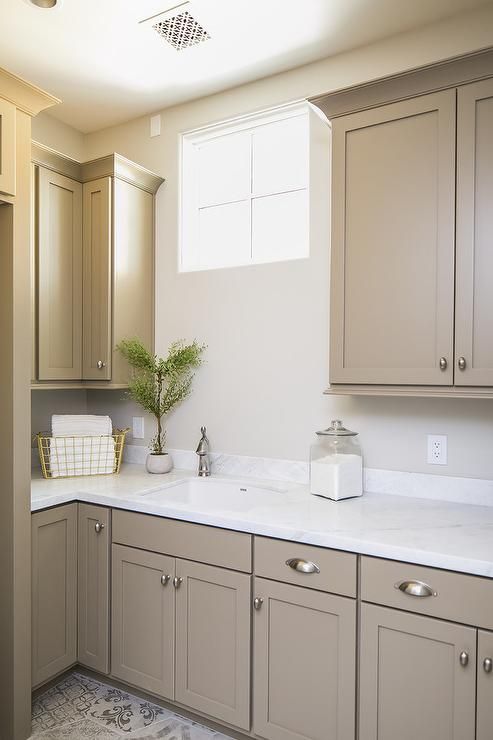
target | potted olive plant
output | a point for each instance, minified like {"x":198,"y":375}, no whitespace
{"x":158,"y":384}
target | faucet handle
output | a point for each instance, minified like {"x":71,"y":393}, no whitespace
{"x":203,"y":446}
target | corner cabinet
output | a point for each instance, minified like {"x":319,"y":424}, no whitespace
{"x":93,"y":259}
{"x":7,"y":147}
{"x":411,"y":267}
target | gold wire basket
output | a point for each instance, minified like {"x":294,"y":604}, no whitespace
{"x":70,"y":457}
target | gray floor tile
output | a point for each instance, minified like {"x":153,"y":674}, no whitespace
{"x":85,"y":729}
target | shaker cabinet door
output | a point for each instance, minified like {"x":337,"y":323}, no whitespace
{"x":59,"y":271}
{"x":485,"y":686}
{"x":97,"y":274}
{"x":94,"y":580}
{"x":305,"y":663}
{"x":213,"y":642}
{"x":417,"y":677}
{"x":143,"y":620}
{"x":54,"y":592}
{"x":474,"y":297}
{"x":392,"y":264}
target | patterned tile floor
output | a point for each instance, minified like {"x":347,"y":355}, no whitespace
{"x":81,"y":708}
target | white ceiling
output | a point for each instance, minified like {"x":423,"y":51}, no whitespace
{"x":107,"y":68}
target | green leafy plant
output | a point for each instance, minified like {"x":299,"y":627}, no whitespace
{"x":158,"y":384}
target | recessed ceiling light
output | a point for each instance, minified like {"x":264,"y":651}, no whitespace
{"x":45,"y":4}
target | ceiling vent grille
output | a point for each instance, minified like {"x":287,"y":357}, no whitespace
{"x":181,"y":31}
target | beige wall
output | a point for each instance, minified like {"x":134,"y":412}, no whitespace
{"x":49,"y":131}
{"x":260,"y":392}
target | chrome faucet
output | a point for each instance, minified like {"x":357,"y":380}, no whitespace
{"x":203,"y":453}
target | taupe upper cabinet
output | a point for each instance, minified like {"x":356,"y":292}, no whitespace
{"x":392,"y":270}
{"x":7,"y":147}
{"x":474,"y":295}
{"x":94,"y":267}
{"x":97,"y":280}
{"x":59,"y":261}
{"x":405,"y":660}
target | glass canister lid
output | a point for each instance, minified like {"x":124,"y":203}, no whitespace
{"x":337,"y":429}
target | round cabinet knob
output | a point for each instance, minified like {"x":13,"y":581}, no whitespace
{"x":99,"y":526}
{"x":488,"y":665}
{"x":443,"y":363}
{"x":461,"y":362}
{"x":464,"y":658}
{"x":100,"y":364}
{"x":164,"y":579}
{"x":177,"y":581}
{"x":257,"y":603}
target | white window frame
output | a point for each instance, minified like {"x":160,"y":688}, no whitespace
{"x":189,"y":139}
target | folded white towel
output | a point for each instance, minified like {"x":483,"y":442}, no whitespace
{"x":80,"y":425}
{"x":82,"y":456}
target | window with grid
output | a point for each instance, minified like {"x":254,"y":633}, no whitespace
{"x":244,"y":191}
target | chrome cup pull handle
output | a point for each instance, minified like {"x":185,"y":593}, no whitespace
{"x":488,"y":665}
{"x":415,"y":588}
{"x":464,"y":659}
{"x":177,"y":581}
{"x":98,"y":527}
{"x":257,"y":603}
{"x":302,"y":566}
{"x":165,"y":578}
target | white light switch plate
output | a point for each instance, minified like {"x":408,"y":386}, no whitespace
{"x":437,"y":449}
{"x":155,"y":125}
{"x":138,"y":427}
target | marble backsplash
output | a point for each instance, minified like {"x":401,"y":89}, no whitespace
{"x":473,"y":491}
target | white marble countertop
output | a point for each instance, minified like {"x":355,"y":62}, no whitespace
{"x":429,"y":532}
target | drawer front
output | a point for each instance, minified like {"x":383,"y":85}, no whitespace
{"x":183,"y":540}
{"x":437,"y":593}
{"x":305,"y":565}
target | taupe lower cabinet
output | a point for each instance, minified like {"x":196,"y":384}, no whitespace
{"x":213,"y":641}
{"x":143,"y":619}
{"x":485,"y":686}
{"x":412,"y":264}
{"x":94,"y":266}
{"x":417,"y":677}
{"x":54,"y":591}
{"x":94,"y":545}
{"x":305,"y":663}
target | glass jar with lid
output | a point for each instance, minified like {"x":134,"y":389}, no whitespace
{"x":336,"y":463}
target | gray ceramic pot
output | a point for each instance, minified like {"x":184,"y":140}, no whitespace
{"x":159,"y":463}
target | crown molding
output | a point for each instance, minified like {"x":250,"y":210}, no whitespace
{"x":25,"y":96}
{"x":115,"y":165}
{"x":419,"y":81}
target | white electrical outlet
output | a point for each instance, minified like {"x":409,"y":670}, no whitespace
{"x":138,"y":427}
{"x":437,"y":449}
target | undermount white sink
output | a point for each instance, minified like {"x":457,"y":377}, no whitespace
{"x":214,"y":493}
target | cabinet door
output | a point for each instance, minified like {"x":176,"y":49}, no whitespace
{"x":392,"y":266}
{"x":412,"y":682}
{"x":133,"y":268}
{"x":54,"y":592}
{"x":7,"y":147}
{"x":143,"y":620}
{"x":94,"y":599}
{"x":474,"y":302}
{"x":213,"y":642}
{"x":59,"y":258}
{"x":304,"y":657}
{"x":485,"y":686}
{"x":97,"y":251}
